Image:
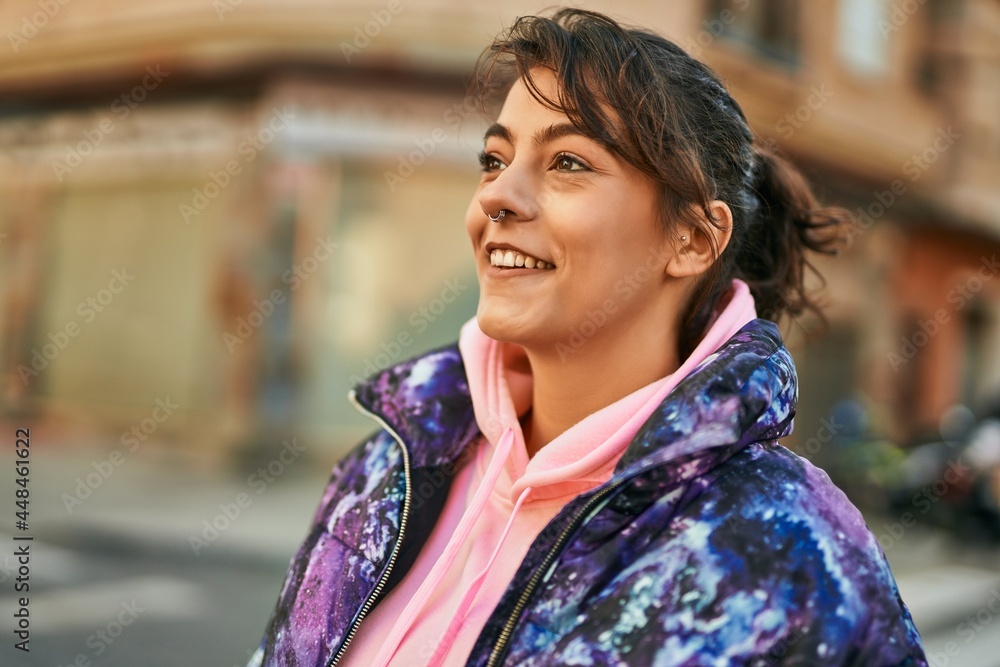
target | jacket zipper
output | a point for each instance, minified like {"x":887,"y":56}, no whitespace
{"x":399,"y":541}
{"x":522,"y":601}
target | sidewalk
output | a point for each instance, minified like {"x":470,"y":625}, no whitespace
{"x":154,"y":503}
{"x":941,"y":580}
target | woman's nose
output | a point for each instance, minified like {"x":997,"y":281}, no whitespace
{"x":510,"y":195}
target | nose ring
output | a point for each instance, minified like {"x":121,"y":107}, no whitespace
{"x":499,"y":217}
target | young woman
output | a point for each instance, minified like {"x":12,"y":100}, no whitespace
{"x":590,"y":475}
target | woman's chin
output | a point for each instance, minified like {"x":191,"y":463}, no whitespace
{"x":502,"y":325}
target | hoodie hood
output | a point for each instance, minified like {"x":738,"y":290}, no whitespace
{"x":743,"y":392}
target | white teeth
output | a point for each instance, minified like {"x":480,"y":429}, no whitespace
{"x":511,"y":259}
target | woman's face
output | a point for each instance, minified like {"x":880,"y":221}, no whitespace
{"x":574,"y":205}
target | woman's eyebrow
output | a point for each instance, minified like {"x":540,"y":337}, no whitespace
{"x":543,"y":136}
{"x":498,"y":130}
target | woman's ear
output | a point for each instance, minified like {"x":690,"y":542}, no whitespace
{"x":695,"y":253}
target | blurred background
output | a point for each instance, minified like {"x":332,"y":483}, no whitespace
{"x":218,"y":215}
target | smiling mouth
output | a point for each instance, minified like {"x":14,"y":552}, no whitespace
{"x":511,"y":259}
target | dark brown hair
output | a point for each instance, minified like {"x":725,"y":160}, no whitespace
{"x":678,"y":124}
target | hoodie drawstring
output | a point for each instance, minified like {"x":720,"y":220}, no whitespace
{"x":470,"y":594}
{"x":445,"y":561}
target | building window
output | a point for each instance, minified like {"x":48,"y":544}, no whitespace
{"x":769,"y":28}
{"x":862,"y":42}
{"x":975,"y":357}
{"x":911,"y":385}
{"x":936,"y":66}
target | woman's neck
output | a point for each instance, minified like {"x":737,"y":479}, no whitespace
{"x":569,"y":386}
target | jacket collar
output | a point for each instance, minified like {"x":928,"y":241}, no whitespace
{"x":426,"y":401}
{"x":744,"y":392}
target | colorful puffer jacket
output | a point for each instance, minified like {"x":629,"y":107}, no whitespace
{"x":710,"y":545}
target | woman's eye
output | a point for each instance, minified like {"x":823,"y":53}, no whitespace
{"x":566,"y":162}
{"x":490,"y":162}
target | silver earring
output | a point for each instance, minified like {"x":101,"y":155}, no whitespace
{"x":499,"y":217}
{"x":684,"y":238}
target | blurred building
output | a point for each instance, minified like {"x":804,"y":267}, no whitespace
{"x":218,"y":215}
{"x":893,"y":112}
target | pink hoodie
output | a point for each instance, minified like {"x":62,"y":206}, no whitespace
{"x":501,"y":499}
